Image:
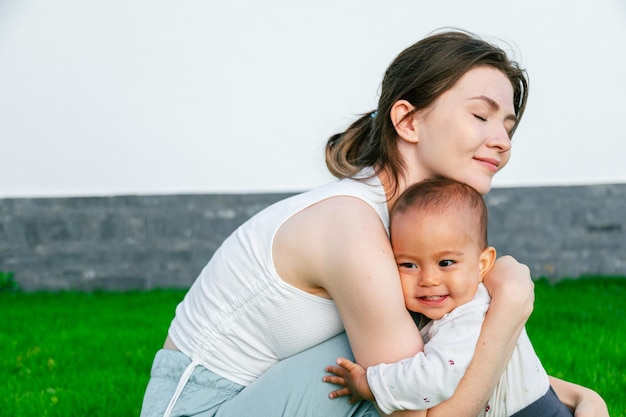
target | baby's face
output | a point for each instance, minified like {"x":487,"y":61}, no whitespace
{"x":439,"y":259}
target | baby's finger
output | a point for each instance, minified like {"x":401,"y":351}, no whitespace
{"x":343,"y":392}
{"x":346,"y":364}
{"x":337,"y":380}
{"x":337,"y":370}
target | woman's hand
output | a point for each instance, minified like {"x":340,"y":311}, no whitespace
{"x":510,"y":285}
{"x":592,"y":406}
{"x":584,"y":401}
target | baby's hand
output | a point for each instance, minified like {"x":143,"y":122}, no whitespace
{"x":339,"y":378}
{"x":352,"y":377}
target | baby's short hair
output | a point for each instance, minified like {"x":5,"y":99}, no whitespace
{"x":444,"y":195}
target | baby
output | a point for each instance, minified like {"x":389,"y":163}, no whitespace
{"x":439,"y":238}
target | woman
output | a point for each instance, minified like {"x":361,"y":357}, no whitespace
{"x":266,"y":314}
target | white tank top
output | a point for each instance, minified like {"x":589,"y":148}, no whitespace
{"x":239,"y":317}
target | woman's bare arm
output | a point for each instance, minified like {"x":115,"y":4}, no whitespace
{"x":362,"y":277}
{"x":338,"y":248}
{"x":585,"y":402}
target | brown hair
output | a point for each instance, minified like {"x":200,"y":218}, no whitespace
{"x":442,"y":195}
{"x":420,"y":74}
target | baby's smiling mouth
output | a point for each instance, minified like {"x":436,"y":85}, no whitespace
{"x":431,"y":297}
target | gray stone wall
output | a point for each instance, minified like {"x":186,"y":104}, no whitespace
{"x":146,"y":242}
{"x":561,"y":231}
{"x":117,"y":243}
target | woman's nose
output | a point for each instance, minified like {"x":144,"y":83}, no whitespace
{"x":500,"y":138}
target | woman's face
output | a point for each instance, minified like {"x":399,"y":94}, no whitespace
{"x":464,"y":134}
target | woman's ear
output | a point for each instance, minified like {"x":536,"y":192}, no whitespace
{"x":403,"y":121}
{"x":486,"y":261}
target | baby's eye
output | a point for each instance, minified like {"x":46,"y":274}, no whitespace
{"x":484,"y":119}
{"x":446,"y":262}
{"x":409,"y":265}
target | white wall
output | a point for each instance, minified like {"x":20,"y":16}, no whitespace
{"x":125,"y":97}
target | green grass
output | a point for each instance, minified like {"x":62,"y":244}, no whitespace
{"x":578,"y":329}
{"x":80,"y":354}
{"x":90,"y":354}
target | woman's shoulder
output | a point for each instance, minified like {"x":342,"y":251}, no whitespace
{"x":331,"y":231}
{"x":343,"y":211}
{"x":355,"y":197}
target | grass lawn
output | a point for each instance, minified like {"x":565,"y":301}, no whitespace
{"x":578,"y":329}
{"x":90,"y":354}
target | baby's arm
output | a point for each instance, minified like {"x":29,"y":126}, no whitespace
{"x":426,"y":379}
{"x":430,"y":377}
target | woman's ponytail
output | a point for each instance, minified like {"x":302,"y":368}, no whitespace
{"x":347,"y":152}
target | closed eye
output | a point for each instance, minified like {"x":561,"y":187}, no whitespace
{"x":509,"y":130}
{"x":484,"y":119}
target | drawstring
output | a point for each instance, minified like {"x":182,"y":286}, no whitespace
{"x":179,"y":388}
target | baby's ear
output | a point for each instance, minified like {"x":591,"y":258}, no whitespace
{"x":486,"y":261}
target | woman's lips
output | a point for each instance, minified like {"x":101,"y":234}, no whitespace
{"x":491,"y":164}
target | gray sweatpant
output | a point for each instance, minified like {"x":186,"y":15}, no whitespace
{"x":291,"y":388}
